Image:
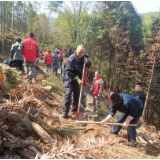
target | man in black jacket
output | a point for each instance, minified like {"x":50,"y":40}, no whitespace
{"x":74,"y":68}
{"x":139,"y":93}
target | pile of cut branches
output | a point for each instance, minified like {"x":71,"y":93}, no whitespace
{"x":31,"y":127}
{"x":29,"y":123}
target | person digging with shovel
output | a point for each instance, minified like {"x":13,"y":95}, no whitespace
{"x":74,"y":68}
{"x":131,"y":109}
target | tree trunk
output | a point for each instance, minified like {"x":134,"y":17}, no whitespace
{"x":87,"y":29}
{"x":74,"y":22}
{"x":79,"y":14}
{"x":17,"y":25}
{"x":4,"y":13}
{"x":31,"y":22}
{"x":82,"y":31}
{"x":114,"y":65}
{"x":145,"y":105}
{"x":22,"y":21}
{"x":110,"y":65}
{"x":7,"y":11}
{"x":12,"y":23}
{"x":45,"y":29}
{"x":1,"y":16}
{"x":99,"y":62}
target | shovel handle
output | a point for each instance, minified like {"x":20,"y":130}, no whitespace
{"x":116,"y":124}
{"x":80,"y":95}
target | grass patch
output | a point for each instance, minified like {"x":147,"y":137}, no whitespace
{"x":56,"y":84}
{"x":1,"y":59}
{"x":12,"y":78}
{"x":102,"y":113}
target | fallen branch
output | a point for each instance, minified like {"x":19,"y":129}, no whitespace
{"x":42,"y":133}
{"x":15,"y":142}
{"x":150,"y":140}
{"x":2,"y":143}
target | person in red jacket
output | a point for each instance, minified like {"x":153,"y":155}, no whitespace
{"x":48,"y":61}
{"x":60,"y":56}
{"x":96,"y":90}
{"x":30,"y":49}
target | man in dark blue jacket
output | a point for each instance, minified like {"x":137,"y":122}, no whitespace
{"x":131,"y":108}
{"x":74,"y":68}
{"x":139,"y":93}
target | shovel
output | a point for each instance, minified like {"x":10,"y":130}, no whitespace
{"x":115,"y":124}
{"x":78,"y":114}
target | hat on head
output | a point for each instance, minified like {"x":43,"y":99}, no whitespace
{"x":139,"y":83}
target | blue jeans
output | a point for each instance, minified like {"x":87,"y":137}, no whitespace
{"x":130,"y":130}
{"x":55,"y":69}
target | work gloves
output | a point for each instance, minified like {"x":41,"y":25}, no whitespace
{"x":106,"y":119}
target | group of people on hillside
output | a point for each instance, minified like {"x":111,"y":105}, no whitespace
{"x":26,"y":53}
{"x":53,"y":62}
{"x":131,"y":107}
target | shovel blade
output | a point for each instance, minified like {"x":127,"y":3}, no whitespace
{"x":79,"y":116}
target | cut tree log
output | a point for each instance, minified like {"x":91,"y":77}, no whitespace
{"x":42,"y":133}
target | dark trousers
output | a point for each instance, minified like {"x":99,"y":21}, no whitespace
{"x":131,"y":131}
{"x":61,"y":60}
{"x":49,"y":68}
{"x":17,"y":63}
{"x":71,"y":87}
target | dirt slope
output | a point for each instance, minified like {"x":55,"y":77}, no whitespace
{"x":30,"y":104}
